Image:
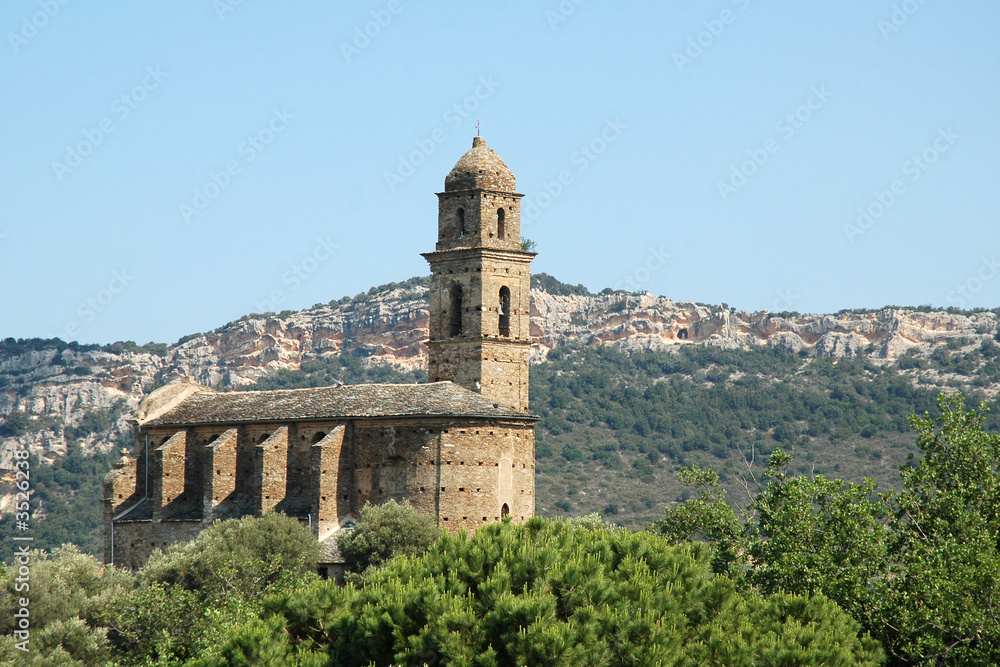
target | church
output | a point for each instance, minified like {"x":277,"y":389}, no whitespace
{"x":460,"y":448}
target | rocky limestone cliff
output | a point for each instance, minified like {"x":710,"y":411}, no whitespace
{"x":58,"y":388}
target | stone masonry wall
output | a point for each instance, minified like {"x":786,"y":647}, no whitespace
{"x":482,"y":352}
{"x":220,"y":475}
{"x":325,"y":458}
{"x":463,"y":471}
{"x":485,"y":466}
{"x":270,"y":471}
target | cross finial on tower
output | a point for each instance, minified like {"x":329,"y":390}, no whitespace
{"x":478,"y":128}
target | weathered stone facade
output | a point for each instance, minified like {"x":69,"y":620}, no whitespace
{"x":460,"y":448}
{"x":480,"y":292}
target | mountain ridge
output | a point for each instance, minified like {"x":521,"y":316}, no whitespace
{"x":387,"y":325}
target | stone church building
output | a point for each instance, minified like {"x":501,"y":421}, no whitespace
{"x":460,"y":447}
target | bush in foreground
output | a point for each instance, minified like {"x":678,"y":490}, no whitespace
{"x":385,"y":531}
{"x":547,"y":593}
{"x":919,"y":569}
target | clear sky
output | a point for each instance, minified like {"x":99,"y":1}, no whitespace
{"x":167,"y":167}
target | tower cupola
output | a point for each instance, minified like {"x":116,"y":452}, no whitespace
{"x":480,"y":168}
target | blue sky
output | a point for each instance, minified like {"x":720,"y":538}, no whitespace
{"x":168,"y":167}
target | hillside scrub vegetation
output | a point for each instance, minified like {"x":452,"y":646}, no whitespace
{"x":617,"y":426}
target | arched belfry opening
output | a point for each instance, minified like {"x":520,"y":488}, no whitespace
{"x":503,"y":311}
{"x":461,"y":223}
{"x":501,"y":224}
{"x":455,"y":312}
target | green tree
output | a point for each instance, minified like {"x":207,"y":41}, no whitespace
{"x":241,"y":557}
{"x":189,"y":596}
{"x":547,"y":593}
{"x":815,"y":535}
{"x":920,"y":570}
{"x":69,"y":593}
{"x":708,"y":518}
{"x":944,"y":584}
{"x":384,"y":531}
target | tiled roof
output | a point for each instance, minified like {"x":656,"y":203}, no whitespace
{"x":330,"y":548}
{"x":436,"y":399}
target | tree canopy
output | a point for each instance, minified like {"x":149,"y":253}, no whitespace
{"x":548,"y":593}
{"x":385,"y":531}
{"x":919,"y":569}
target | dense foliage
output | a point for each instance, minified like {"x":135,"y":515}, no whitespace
{"x":547,"y":593}
{"x":385,"y":531}
{"x":18,"y":346}
{"x":547,"y":283}
{"x":919,"y":569}
{"x":69,"y":594}
{"x":179,"y":606}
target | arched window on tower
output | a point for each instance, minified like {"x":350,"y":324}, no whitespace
{"x":461,"y":223}
{"x":501,"y":224}
{"x":455,"y":313}
{"x":504,"y":511}
{"x":504,"y":311}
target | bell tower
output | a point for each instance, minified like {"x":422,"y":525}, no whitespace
{"x":480,"y":288}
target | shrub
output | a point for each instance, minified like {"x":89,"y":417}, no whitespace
{"x":385,"y":531}
{"x":548,"y":593}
